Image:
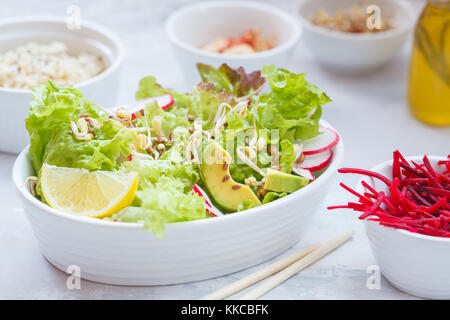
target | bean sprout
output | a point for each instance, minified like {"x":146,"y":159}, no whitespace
{"x":248,"y":162}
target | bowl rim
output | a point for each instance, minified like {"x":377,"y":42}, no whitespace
{"x":404,"y":5}
{"x":310,"y":188}
{"x":116,"y":62}
{"x":270,"y":9}
{"x":388,"y":163}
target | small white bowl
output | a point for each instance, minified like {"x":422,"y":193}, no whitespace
{"x":351,"y":52}
{"x":415,"y":263}
{"x":102,"y":89}
{"x":195,"y":25}
{"x":124,"y":253}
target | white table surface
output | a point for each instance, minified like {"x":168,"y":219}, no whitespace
{"x":370,"y":112}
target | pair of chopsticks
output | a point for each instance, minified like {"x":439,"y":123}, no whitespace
{"x":281,"y":270}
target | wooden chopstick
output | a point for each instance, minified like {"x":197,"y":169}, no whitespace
{"x":296,"y":267}
{"x":259,"y":275}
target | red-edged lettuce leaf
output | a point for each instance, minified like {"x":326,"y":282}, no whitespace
{"x":234,"y":81}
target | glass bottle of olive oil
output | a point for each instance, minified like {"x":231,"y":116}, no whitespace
{"x":429,"y":75}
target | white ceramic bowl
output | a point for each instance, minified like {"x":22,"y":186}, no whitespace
{"x":123,"y":253}
{"x":415,"y":263}
{"x":195,"y":25}
{"x":14,"y":103}
{"x":350,"y":52}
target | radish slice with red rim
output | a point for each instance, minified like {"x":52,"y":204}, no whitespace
{"x":315,"y":162}
{"x":165,"y":101}
{"x":305,"y":173}
{"x":326,"y":140}
{"x":208,"y":205}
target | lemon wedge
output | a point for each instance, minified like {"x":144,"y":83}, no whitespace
{"x":96,"y":194}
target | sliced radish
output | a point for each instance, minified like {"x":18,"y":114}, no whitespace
{"x":326,"y":140}
{"x":316,"y":161}
{"x":305,"y":173}
{"x":164,"y":101}
{"x":209,"y":207}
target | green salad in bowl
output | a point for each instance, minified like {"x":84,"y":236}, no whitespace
{"x":236,"y":141}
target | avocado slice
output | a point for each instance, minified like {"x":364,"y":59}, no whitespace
{"x":283,"y":182}
{"x":226,"y":192}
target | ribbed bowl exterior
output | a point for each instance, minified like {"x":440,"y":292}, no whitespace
{"x":136,"y":257}
{"x":416,"y":265}
{"x":124,"y":254}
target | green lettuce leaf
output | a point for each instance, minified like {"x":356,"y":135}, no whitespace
{"x":103,"y":152}
{"x":247,"y":204}
{"x":48,"y":123}
{"x":164,"y":194}
{"x":150,"y":172}
{"x":287,"y":156}
{"x":170,"y":120}
{"x":272,"y":196}
{"x":148,"y":87}
{"x":204,"y":101}
{"x":293,"y":106}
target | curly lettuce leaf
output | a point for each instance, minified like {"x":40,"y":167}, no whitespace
{"x":287,"y":156}
{"x":163,"y":194}
{"x":234,"y":81}
{"x":51,"y":110}
{"x":101,"y":153}
{"x":160,"y":206}
{"x":47,"y":122}
{"x":247,"y":204}
{"x":148,"y":87}
{"x":170,"y":120}
{"x":204,"y":101}
{"x":150,"y":171}
{"x":272,"y":196}
{"x":293,"y":106}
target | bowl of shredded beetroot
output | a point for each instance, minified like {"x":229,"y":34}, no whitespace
{"x":405,"y":203}
{"x":416,"y":196}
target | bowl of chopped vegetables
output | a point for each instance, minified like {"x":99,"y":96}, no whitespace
{"x":239,"y":33}
{"x":351,"y":36}
{"x":182,"y":186}
{"x":36,"y":49}
{"x":405,"y":206}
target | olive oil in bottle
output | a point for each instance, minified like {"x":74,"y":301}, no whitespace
{"x":429,"y":76}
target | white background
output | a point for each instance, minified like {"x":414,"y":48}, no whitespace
{"x":370,"y":112}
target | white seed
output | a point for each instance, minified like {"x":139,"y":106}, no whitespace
{"x":250,"y":181}
{"x":156,"y":123}
{"x":82,"y":125}
{"x":261,"y":144}
{"x":122,"y":113}
{"x":141,"y":141}
{"x":73,"y":128}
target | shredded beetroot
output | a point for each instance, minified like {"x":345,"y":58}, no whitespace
{"x":418,"y":197}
